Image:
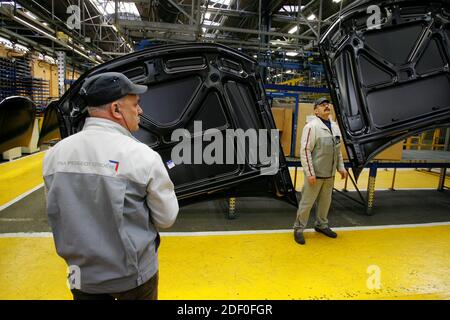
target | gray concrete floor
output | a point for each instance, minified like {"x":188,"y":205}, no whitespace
{"x":391,"y":207}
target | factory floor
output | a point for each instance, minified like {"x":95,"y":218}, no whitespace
{"x":402,"y":251}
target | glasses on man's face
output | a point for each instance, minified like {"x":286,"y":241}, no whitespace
{"x":325,"y":104}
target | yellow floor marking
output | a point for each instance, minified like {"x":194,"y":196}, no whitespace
{"x":414,"y":263}
{"x":405,"y":179}
{"x":19,"y":176}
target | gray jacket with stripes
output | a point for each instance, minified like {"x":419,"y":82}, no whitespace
{"x":107,"y":193}
{"x":321,"y":149}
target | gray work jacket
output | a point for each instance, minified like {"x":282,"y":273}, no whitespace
{"x":321,"y":149}
{"x":107,"y":193}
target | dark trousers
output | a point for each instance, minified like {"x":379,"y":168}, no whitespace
{"x":146,"y":291}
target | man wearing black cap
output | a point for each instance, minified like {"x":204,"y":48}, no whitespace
{"x":107,"y":195}
{"x":320,"y":156}
{"x":113,"y":96}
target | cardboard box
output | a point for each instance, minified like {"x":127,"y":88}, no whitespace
{"x":283,"y":122}
{"x":394,"y":152}
{"x":304,"y":110}
{"x":278,"y":116}
{"x":286,"y":136}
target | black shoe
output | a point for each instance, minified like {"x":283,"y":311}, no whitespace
{"x":298,"y":236}
{"x":326,"y":231}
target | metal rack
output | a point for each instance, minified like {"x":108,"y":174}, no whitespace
{"x":7,"y":78}
{"x":16,"y":80}
{"x":13,"y":77}
{"x":40,"y":92}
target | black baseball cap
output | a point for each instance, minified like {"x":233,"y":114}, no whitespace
{"x":320,"y":101}
{"x":108,"y":87}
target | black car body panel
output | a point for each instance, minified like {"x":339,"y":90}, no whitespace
{"x":187,"y":83}
{"x":391,"y":81}
{"x":50,"y":124}
{"x":17,"y":115}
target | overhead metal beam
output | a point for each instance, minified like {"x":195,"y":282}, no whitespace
{"x":192,"y":10}
{"x":320,"y":19}
{"x":35,"y":45}
{"x":274,"y":6}
{"x":308,"y":4}
{"x":326,"y":21}
{"x":191,"y":20}
{"x":286,"y":18}
{"x":255,"y":48}
{"x":258,"y":32}
{"x":198,"y":19}
{"x":37,"y":27}
{"x":309,"y":24}
{"x":163,"y":37}
{"x":185,"y":38}
{"x":163,"y":26}
{"x":136,"y":24}
{"x":254,"y":44}
{"x":245,"y":13}
{"x":27,"y":41}
{"x":238,"y":12}
{"x":51,"y":19}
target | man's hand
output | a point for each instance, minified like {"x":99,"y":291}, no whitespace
{"x":343,"y":174}
{"x":312,"y":180}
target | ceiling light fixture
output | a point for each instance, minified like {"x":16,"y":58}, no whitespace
{"x":293,"y":30}
{"x":32,"y":16}
{"x":48,"y":35}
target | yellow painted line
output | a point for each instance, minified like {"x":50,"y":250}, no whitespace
{"x":405,"y":179}
{"x":20,"y":197}
{"x":414,"y":263}
{"x":243,"y":232}
{"x":19,"y":177}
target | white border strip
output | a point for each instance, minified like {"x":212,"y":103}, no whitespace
{"x":244,"y":232}
{"x":23,"y":195}
{"x":27,"y":235}
{"x":388,"y":189}
{"x":362,"y":228}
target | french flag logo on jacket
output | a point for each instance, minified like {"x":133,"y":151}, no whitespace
{"x":116,"y":163}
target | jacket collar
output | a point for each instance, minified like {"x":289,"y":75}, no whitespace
{"x":323,"y":126}
{"x":105,"y":125}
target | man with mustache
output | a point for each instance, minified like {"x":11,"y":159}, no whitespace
{"x":107,"y":196}
{"x":320,"y":156}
